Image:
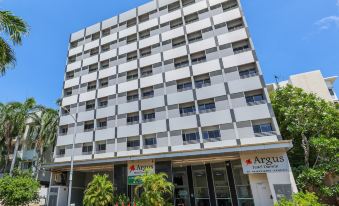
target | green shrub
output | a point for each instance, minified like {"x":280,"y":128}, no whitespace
{"x":301,"y":199}
{"x":99,"y":192}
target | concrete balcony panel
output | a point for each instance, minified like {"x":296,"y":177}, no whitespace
{"x":87,"y":96}
{"x":148,"y":24}
{"x":165,"y":2}
{"x":107,"y":72}
{"x":180,"y":123}
{"x":67,"y":119}
{"x":91,"y":45}
{"x":174,"y":53}
{"x":155,"y":58}
{"x":90,"y":60}
{"x":151,"y":80}
{"x":149,"y":41}
{"x":88,"y":77}
{"x":259,"y":140}
{"x":104,"y":134}
{"x":75,"y":51}
{"x":104,"y":112}
{"x":109,"y":54}
{"x":77,"y":35}
{"x":148,"y":7}
{"x":64,"y":140}
{"x":177,"y":74}
{"x":202,"y":45}
{"x":128,"y":131}
{"x":223,"y":143}
{"x":173,"y":33}
{"x":109,"y":22}
{"x":85,"y":116}
{"x":128,"y":48}
{"x":155,"y":150}
{"x":128,"y":86}
{"x":195,"y":7}
{"x":199,"y":25}
{"x":247,"y":84}
{"x":104,"y":155}
{"x":109,"y":38}
{"x":231,"y":37}
{"x":128,"y":66}
{"x":238,"y":59}
{"x":72,"y":82}
{"x":128,"y":15}
{"x":170,"y":16}
{"x":92,"y":29}
{"x":211,"y":91}
{"x":186,"y":147}
{"x":151,"y":103}
{"x":128,"y":107}
{"x":180,"y":97}
{"x":206,"y":67}
{"x":215,"y":2}
{"x":252,"y":112}
{"x":82,"y":157}
{"x":154,"y":127}
{"x":73,"y":66}
{"x":128,"y":153}
{"x":84,"y":137}
{"x":227,"y":16}
{"x":128,"y":31}
{"x":69,"y":100}
{"x":103,"y":92}
{"x":215,"y":118}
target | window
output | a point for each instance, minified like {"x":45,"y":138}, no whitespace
{"x":192,"y":137}
{"x":95,"y":36}
{"x":131,"y":38}
{"x":91,"y":86}
{"x":102,"y":102}
{"x":180,"y":62}
{"x":104,"y":64}
{"x":106,"y":32}
{"x":184,"y":85}
{"x":64,"y":130}
{"x":144,"y":17}
{"x":133,"y":118}
{"x":144,"y":34}
{"x":234,"y":25}
{"x":131,"y":75}
{"x":266,"y":127}
{"x":65,"y":110}
{"x":62,"y":151}
{"x":103,"y":82}
{"x":191,"y":18}
{"x":239,"y":47}
{"x":146,"y":51}
{"x":187,"y":2}
{"x":132,"y":96}
{"x":176,"y":42}
{"x":102,"y":123}
{"x":74,"y":44}
{"x":198,"y":57}
{"x":106,"y":47}
{"x":147,"y":92}
{"x":187,"y":109}
{"x":242,"y":184}
{"x":133,"y":144}
{"x":330,"y":90}
{"x":211,"y":134}
{"x":101,"y":147}
{"x":146,"y":71}
{"x":70,"y":75}
{"x":132,"y":56}
{"x":68,"y":92}
{"x":87,"y":148}
{"x":88,"y":126}
{"x":174,"y":6}
{"x":92,"y":68}
{"x":221,"y":185}
{"x":254,"y":98}
{"x":148,"y":116}
{"x":176,"y":23}
{"x":90,"y":105}
{"x":229,"y":5}
{"x":206,"y":106}
{"x":150,"y":142}
{"x":131,"y":22}
{"x":193,"y":37}
{"x":247,"y":73}
{"x":202,"y":81}
{"x":72,"y":59}
{"x":94,"y":51}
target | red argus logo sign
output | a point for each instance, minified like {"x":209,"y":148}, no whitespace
{"x":248,"y":162}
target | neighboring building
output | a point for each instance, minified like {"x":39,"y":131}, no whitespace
{"x":312,"y":82}
{"x":174,"y":86}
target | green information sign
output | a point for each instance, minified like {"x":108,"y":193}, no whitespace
{"x":133,"y":181}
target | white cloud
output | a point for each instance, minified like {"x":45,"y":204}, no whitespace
{"x":327,"y":22}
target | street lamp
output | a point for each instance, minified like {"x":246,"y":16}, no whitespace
{"x":72,"y":157}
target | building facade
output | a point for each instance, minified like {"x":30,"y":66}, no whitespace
{"x":176,"y":86}
{"x":311,"y":82}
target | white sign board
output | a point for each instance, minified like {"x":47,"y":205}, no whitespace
{"x":264,"y":162}
{"x":138,"y":168}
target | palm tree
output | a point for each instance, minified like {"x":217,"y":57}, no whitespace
{"x":99,"y":192}
{"x":43,"y":132}
{"x":154,"y":189}
{"x":14,"y":27}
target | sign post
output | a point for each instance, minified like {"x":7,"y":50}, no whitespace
{"x":138,"y":168}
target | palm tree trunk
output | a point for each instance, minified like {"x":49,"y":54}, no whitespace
{"x":17,"y":142}
{"x":306,"y":146}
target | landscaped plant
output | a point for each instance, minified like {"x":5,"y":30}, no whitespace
{"x":301,"y":199}
{"x":99,"y":192}
{"x":155,"y":189}
{"x":18,"y":190}
{"x":120,"y":200}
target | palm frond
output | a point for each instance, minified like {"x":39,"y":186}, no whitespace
{"x":7,"y":57}
{"x":13,"y":25}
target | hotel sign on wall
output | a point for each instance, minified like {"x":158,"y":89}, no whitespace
{"x":138,"y":168}
{"x":264,"y":162}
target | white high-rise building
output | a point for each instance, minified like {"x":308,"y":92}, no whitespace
{"x":175,"y":86}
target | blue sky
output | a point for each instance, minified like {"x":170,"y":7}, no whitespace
{"x":290,"y":36}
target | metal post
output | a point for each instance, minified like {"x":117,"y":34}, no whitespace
{"x":72,"y":158}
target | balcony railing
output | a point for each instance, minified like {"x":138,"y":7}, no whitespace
{"x":263,"y":134}
{"x":256,"y":102}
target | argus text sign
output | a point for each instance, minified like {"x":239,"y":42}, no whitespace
{"x":138,"y":168}
{"x":264,"y":163}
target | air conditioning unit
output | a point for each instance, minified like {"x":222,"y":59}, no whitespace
{"x":57,"y":196}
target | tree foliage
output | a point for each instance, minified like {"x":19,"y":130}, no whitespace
{"x":14,"y":27}
{"x":154,"y":189}
{"x":99,"y":192}
{"x":300,"y":199}
{"x":18,"y":190}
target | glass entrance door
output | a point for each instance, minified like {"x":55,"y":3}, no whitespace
{"x":221,"y":186}
{"x":242,"y":185}
{"x":200,"y":185}
{"x":180,"y":181}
